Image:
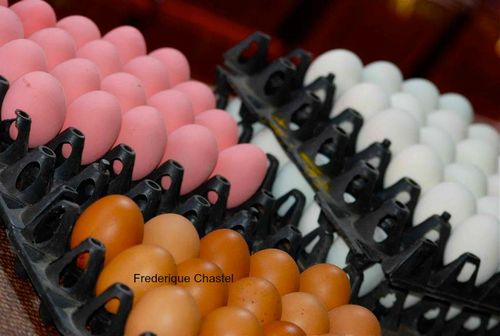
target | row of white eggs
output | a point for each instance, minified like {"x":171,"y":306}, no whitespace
{"x":432,"y":142}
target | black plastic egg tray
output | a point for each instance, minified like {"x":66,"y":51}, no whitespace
{"x":42,"y":193}
{"x":272,"y":92}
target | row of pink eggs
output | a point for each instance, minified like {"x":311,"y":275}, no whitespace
{"x":64,"y":74}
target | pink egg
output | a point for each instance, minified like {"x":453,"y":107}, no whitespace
{"x":222,"y":124}
{"x":57,"y":44}
{"x":127,"y":88}
{"x":11,"y":27}
{"x":129,"y":42}
{"x":176,"y":108}
{"x":200,"y":94}
{"x":19,"y":57}
{"x":81,"y":28}
{"x":35,"y":15}
{"x":4,"y":3}
{"x":195,"y":148}
{"x":77,"y":76}
{"x":98,"y":116}
{"x":143,"y":130}
{"x":176,"y":63}
{"x":151,"y":72}
{"x":41,"y":96}
{"x":244,"y":166}
{"x":104,"y":54}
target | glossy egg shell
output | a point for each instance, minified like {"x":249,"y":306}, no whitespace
{"x":175,"y":234}
{"x":41,"y":96}
{"x":35,"y":15}
{"x":83,"y":69}
{"x":11,"y":27}
{"x":81,"y":28}
{"x":353,"y":320}
{"x":97,"y":115}
{"x":222,"y":125}
{"x":145,"y":260}
{"x":208,"y":295}
{"x":328,"y":283}
{"x":19,"y":57}
{"x":284,"y":273}
{"x":175,"y":107}
{"x":165,"y":310}
{"x":306,"y":311}
{"x":228,"y":250}
{"x":244,"y":166}
{"x":114,"y":220}
{"x":230,"y":321}
{"x":282,"y":328}
{"x":195,"y":148}
{"x":258,"y":296}
{"x":143,"y":130}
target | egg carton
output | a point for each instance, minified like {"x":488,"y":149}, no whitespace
{"x":42,"y":193}
{"x":272,"y":93}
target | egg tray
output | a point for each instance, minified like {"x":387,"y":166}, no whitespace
{"x":42,"y":193}
{"x":272,"y":93}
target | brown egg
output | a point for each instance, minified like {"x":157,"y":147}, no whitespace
{"x":228,"y":250}
{"x":174,"y":233}
{"x":114,"y":220}
{"x":306,"y":311}
{"x":278,"y":267}
{"x":207,"y":285}
{"x":141,"y":268}
{"x":165,"y":310}
{"x":328,"y":283}
{"x":231,"y":321}
{"x":282,"y":328}
{"x":258,"y":296}
{"x":353,"y":320}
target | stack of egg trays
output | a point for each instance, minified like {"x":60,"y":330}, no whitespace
{"x":272,"y":92}
{"x":42,"y":193}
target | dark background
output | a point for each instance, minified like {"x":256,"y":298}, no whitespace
{"x":454,"y":43}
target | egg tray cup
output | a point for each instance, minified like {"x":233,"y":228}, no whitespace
{"x":272,"y":93}
{"x":42,"y":193}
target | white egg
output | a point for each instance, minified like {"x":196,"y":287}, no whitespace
{"x":424,"y":90}
{"x":233,"y":107}
{"x":366,"y":98}
{"x":407,"y":102}
{"x":458,"y":103}
{"x":469,"y":176}
{"x":493,"y":185}
{"x":484,"y":132}
{"x":418,"y":162}
{"x":493,"y":322}
{"x":479,"y":153}
{"x":372,"y":276}
{"x":479,"y":235}
{"x":411,"y":300}
{"x":344,"y":64}
{"x":266,"y":140}
{"x":440,"y":141}
{"x":309,"y":222}
{"x":489,"y":205}
{"x":289,"y":177}
{"x":396,"y":125}
{"x":453,"y":311}
{"x":449,"y":122}
{"x":384,"y":74}
{"x":451,"y":197}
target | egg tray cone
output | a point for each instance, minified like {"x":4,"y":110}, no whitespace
{"x":42,"y":193}
{"x":272,"y":93}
